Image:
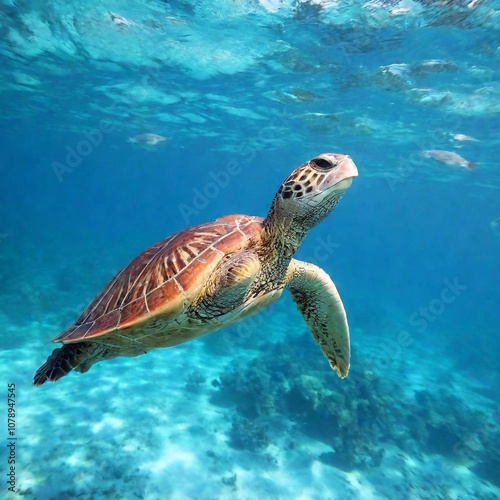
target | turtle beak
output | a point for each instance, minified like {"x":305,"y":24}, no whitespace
{"x":338,"y":179}
{"x":342,"y":174}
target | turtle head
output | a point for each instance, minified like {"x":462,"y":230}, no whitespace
{"x":313,"y":190}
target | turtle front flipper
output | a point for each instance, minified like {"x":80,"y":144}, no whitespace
{"x":225,"y":290}
{"x":320,"y":304}
{"x":78,"y":356}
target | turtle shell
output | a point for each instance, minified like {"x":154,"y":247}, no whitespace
{"x":164,"y":279}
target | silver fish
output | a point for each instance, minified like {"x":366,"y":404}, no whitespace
{"x":148,"y":139}
{"x":120,"y":20}
{"x":463,"y":137}
{"x":448,"y":158}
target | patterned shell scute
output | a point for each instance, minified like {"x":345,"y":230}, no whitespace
{"x":164,"y":278}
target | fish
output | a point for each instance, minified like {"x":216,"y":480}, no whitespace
{"x":448,"y":158}
{"x":495,"y":225}
{"x":463,"y":137}
{"x":148,"y":139}
{"x":402,"y":11}
{"x":434,"y":66}
{"x":120,"y":20}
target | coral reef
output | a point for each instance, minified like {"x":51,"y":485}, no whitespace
{"x":195,"y":381}
{"x":248,"y":435}
{"x":356,"y":417}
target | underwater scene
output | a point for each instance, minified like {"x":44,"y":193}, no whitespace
{"x":169,"y":169}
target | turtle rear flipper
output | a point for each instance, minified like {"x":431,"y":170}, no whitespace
{"x":62,"y":361}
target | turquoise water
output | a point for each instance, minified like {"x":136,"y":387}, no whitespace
{"x":244,"y":92}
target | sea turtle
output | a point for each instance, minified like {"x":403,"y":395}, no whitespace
{"x":212,"y":275}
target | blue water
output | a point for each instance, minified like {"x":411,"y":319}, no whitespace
{"x":245,"y":92}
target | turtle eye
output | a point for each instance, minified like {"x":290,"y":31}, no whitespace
{"x":323,"y":164}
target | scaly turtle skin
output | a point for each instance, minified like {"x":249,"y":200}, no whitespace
{"x":212,"y":275}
